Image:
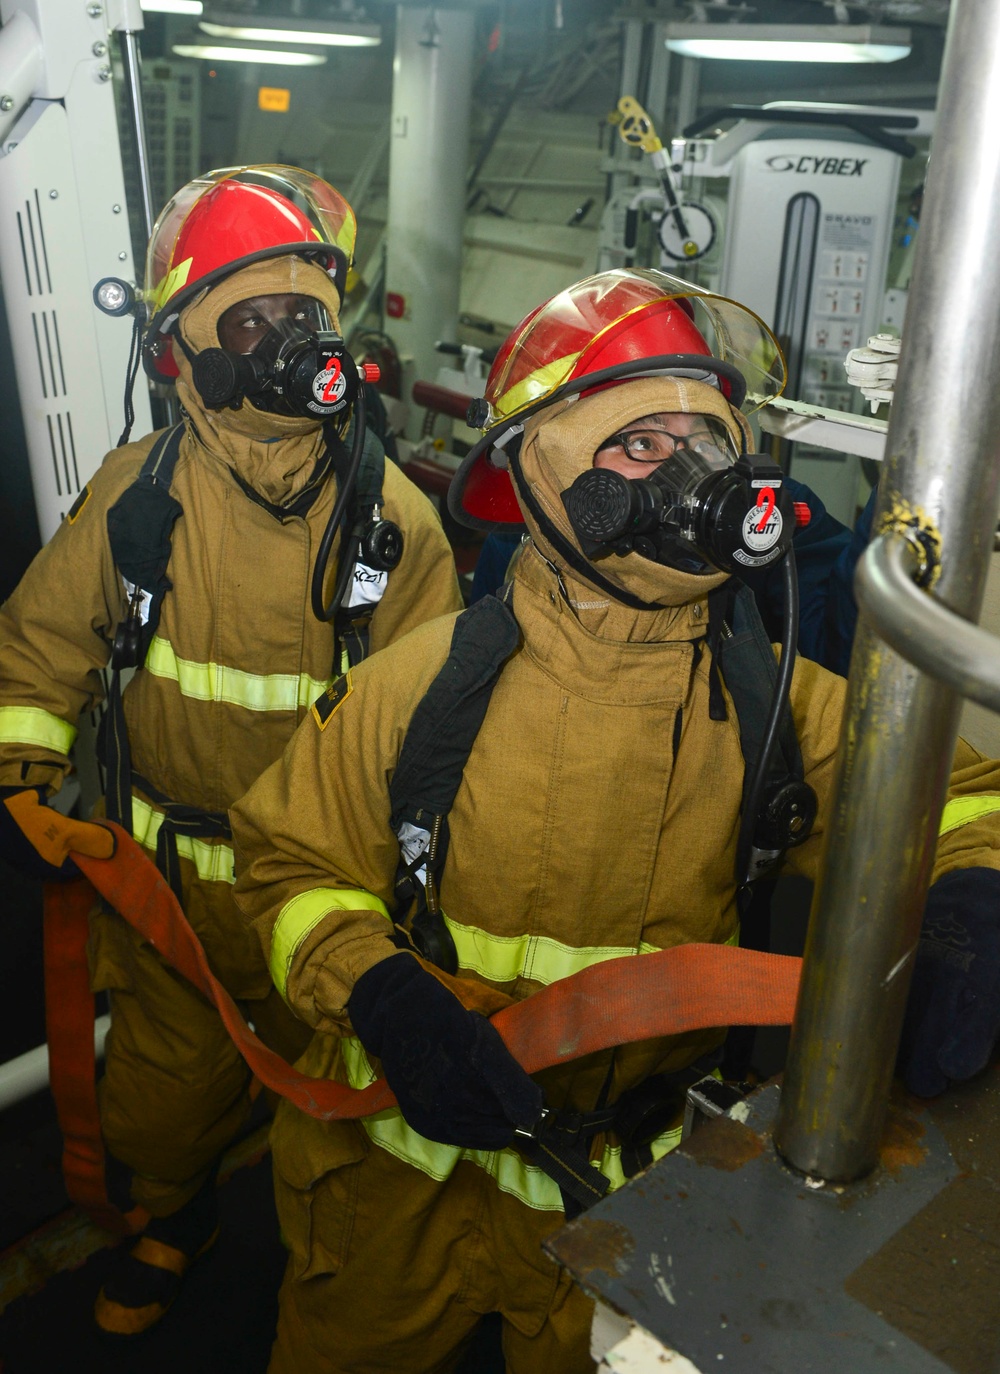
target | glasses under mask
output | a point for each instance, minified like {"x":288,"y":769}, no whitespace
{"x":708,"y":447}
{"x":677,"y":465}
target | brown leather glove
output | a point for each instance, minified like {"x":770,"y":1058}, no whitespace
{"x":41,"y":841}
{"x":474,"y":996}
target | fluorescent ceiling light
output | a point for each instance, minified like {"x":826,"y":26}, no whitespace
{"x":194,"y":7}
{"x":789,"y":42}
{"x":340,"y":34}
{"x":272,"y":57}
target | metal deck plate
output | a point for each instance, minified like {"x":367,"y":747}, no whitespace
{"x":732,"y":1259}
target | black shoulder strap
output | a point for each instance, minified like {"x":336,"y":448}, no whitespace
{"x":351,"y":628}
{"x":432,"y":760}
{"x":447,"y":720}
{"x":368,"y":492}
{"x":140,"y":525}
{"x":750,"y":671}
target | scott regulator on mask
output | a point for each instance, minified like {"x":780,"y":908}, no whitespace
{"x":290,"y":372}
{"x":737,"y":519}
{"x":296,"y":372}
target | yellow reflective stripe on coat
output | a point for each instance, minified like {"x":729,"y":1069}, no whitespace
{"x":388,"y":1130}
{"x":509,"y":1171}
{"x":961,"y":810}
{"x":611,"y":1159}
{"x":503,"y":958}
{"x":32,"y":725}
{"x":213,"y":862}
{"x":218,"y":682}
{"x":302,"y":914}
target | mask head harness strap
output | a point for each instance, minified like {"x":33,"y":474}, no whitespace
{"x":575,"y":559}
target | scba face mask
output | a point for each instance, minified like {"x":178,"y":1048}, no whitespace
{"x":293,"y":370}
{"x":699,"y":509}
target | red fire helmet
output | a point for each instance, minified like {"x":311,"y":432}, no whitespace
{"x":227,"y":219}
{"x":606,"y":327}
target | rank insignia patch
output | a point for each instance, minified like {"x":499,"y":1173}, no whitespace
{"x":78,"y":505}
{"x":334,"y":696}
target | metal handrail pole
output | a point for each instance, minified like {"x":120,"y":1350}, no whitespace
{"x":29,"y":1072}
{"x":942,"y":475}
{"x":133,"y":81}
{"x":926,"y":634}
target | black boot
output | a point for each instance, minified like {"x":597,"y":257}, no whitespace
{"x":148,"y":1277}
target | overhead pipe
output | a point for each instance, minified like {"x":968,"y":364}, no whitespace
{"x":940,"y":484}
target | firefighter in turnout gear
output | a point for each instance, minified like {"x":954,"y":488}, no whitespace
{"x":591,"y":724}
{"x":199,"y":554}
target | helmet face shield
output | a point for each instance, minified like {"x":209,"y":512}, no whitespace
{"x":238,"y":214}
{"x":625,"y":324}
{"x":622,"y":316}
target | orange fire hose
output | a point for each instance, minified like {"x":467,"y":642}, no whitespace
{"x":619,"y":1001}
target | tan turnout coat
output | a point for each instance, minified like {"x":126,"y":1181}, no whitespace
{"x":237,"y":658}
{"x":597,"y":815}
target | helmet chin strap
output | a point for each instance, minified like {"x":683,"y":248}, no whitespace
{"x":576,"y":560}
{"x":178,"y":334}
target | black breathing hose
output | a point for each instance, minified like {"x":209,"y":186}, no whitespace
{"x":776,"y":715}
{"x":349,"y":547}
{"x":131,"y":372}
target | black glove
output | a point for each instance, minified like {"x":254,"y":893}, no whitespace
{"x":454,"y":1079}
{"x":18,"y":850}
{"x":953,"y":1013}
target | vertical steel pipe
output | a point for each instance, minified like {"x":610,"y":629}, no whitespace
{"x":942,"y":469}
{"x":428,"y":164}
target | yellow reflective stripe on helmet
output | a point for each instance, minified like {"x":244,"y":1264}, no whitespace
{"x":503,"y":958}
{"x":172,"y":283}
{"x":32,"y":725}
{"x":961,"y":810}
{"x":302,"y":914}
{"x":218,"y":682}
{"x":213,"y":862}
{"x":535,"y":384}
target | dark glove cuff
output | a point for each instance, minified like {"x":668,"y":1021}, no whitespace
{"x":966,"y":885}
{"x":953,"y":1011}
{"x":376,"y":990}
